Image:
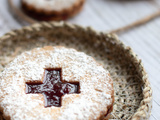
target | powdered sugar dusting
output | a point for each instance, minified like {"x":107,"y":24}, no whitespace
{"x":51,"y":4}
{"x":95,"y":85}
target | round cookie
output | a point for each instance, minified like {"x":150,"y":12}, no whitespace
{"x":52,"y":9}
{"x":92,"y":98}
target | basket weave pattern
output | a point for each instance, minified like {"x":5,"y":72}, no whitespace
{"x":133,"y":94}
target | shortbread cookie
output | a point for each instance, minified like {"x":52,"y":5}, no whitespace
{"x":52,"y":9}
{"x":55,"y":83}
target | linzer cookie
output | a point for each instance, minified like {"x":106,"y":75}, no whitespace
{"x":55,"y":83}
{"x":52,"y":9}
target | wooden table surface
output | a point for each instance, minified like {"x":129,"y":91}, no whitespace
{"x":106,"y":15}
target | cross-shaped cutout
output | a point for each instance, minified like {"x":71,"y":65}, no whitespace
{"x":53,"y":87}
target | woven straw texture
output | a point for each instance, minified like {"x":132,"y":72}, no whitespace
{"x":133,"y":94}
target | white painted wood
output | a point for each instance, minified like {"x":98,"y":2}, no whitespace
{"x":105,"y":15}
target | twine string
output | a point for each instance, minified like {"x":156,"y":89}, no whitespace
{"x":19,"y":13}
{"x":120,"y":30}
{"x":137,"y":23}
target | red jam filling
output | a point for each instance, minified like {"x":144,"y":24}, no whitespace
{"x":52,"y":87}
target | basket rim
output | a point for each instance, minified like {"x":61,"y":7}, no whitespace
{"x":144,"y":110}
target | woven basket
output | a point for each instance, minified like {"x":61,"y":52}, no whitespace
{"x":133,"y":94}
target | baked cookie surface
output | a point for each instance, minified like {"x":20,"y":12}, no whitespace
{"x":94,"y":100}
{"x":52,"y":9}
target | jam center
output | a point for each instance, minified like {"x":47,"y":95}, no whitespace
{"x":52,"y":87}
